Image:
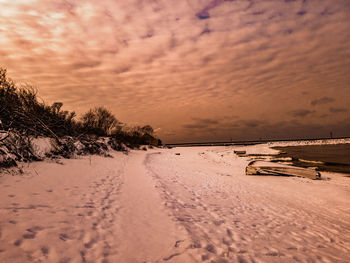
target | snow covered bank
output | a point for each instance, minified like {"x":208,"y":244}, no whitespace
{"x":17,"y":148}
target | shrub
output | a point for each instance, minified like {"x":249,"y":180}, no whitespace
{"x":133,"y":137}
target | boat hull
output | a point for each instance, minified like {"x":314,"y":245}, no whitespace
{"x":254,"y":168}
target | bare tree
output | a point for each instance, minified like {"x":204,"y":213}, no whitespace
{"x":100,"y":121}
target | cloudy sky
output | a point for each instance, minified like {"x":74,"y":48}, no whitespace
{"x":196,"y":70}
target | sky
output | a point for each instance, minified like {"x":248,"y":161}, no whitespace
{"x":195,"y":70}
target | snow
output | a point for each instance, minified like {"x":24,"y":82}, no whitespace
{"x":41,"y":146}
{"x":156,"y":206}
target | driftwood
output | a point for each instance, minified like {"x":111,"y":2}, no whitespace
{"x":240,"y":153}
{"x":6,"y":135}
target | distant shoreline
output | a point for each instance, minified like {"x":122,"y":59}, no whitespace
{"x":248,"y":142}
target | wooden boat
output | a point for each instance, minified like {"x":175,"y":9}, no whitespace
{"x":267,"y":168}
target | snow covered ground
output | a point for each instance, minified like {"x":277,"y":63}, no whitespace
{"x":171,"y":205}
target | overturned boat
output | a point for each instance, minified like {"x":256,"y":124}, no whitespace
{"x":267,"y":168}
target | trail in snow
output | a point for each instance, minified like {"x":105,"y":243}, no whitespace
{"x":146,"y":233}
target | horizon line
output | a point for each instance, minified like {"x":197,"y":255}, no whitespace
{"x":256,"y":141}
